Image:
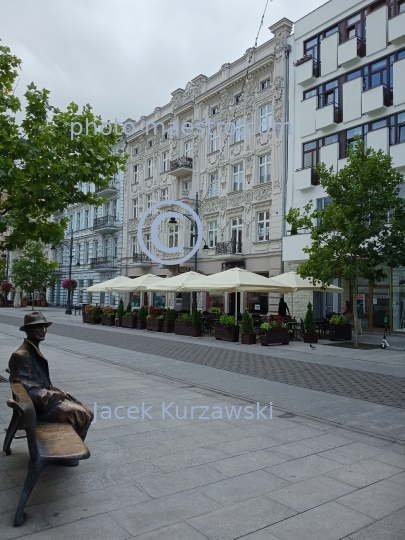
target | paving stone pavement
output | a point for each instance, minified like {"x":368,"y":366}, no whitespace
{"x":192,"y":479}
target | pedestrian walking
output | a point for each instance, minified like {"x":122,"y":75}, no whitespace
{"x":360,"y":315}
{"x":283,"y":308}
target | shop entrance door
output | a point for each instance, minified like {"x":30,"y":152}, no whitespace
{"x":380,"y":308}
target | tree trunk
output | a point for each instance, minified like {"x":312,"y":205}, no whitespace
{"x":33,"y":301}
{"x":356,"y":320}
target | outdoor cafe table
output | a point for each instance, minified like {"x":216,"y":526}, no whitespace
{"x":295,"y":326}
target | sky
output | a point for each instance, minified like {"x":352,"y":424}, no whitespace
{"x":125,"y":57}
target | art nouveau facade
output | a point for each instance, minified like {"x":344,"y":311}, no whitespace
{"x":239,"y":178}
{"x":97,"y":243}
{"x":345,"y":81}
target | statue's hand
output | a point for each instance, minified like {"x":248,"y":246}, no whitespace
{"x":69,"y":397}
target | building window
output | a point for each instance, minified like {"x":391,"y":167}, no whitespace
{"x":78,"y":220}
{"x":135,"y":170}
{"x":135,"y":208}
{"x":395,"y":7}
{"x":70,"y":226}
{"x":114,"y":207}
{"x":166,"y":161}
{"x":95,"y":249}
{"x":150,"y":168}
{"x":214,"y":139}
{"x":114,"y":248}
{"x":86,"y":218}
{"x":213,"y":190}
{"x":237,"y":181}
{"x":106,"y":209}
{"x":150,"y":144}
{"x":173,"y":236}
{"x":86,"y":253}
{"x":134,"y":245}
{"x":148,"y":242}
{"x":312,"y":47}
{"x":104,"y":248}
{"x":214,"y":110}
{"x":350,"y":136}
{"x":78,"y":249}
{"x":263,"y":226}
{"x":192,"y":237}
{"x":328,"y":93}
{"x":266,"y":118}
{"x":355,"y":26}
{"x":310,"y":154}
{"x":166,"y":136}
{"x":264,"y":169}
{"x":238,"y":99}
{"x":212,"y":234}
{"x":188,"y":149}
{"x":321,"y":204}
{"x":331,"y":139}
{"x":236,"y":234}
{"x":149,"y":201}
{"x":164,"y":194}
{"x":265,"y":84}
{"x":397,"y":128}
{"x":238,"y":135}
{"x":135,"y":151}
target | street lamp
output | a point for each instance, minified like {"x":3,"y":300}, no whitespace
{"x":68,"y":310}
{"x":172,"y":221}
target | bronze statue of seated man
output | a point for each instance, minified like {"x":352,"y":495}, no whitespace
{"x":28,"y":366}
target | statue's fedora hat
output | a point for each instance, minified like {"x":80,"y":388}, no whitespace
{"x":35,"y":317}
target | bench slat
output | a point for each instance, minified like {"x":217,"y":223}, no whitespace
{"x":59,"y":441}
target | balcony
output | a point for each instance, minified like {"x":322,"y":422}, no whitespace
{"x":307,"y":70}
{"x":397,"y":152}
{"x":306,"y":178}
{"x":141,"y":259}
{"x":102,"y":263}
{"x":328,"y":116}
{"x":376,"y":99}
{"x":396,"y":29}
{"x":351,"y":51}
{"x":105,"y":224}
{"x":293,"y":246}
{"x":228,"y":250}
{"x":186,"y":194}
{"x":110,"y":190}
{"x":181,"y":167}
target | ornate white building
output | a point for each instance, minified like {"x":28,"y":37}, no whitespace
{"x":239,"y":178}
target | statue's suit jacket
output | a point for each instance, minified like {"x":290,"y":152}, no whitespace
{"x":28,"y":366}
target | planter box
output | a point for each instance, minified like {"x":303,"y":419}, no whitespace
{"x":141,"y":325}
{"x":87,"y":317}
{"x":248,"y":339}
{"x":128,"y":322}
{"x":24,"y":303}
{"x":184,"y":329}
{"x":227,"y":333}
{"x":311,"y":338}
{"x":44,"y":303}
{"x":108,"y":321}
{"x":154,"y":325}
{"x":168,"y":328}
{"x":340,"y":331}
{"x":275,"y":335}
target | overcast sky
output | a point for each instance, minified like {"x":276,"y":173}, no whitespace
{"x":125,"y":57}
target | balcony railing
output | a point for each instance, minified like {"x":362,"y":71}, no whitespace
{"x":314,"y":177}
{"x":140,"y":258}
{"x":387,"y":95}
{"x":102,"y":262}
{"x":228,"y":248}
{"x":361,"y":47}
{"x":111,"y":187}
{"x":103,"y":222}
{"x":186,"y":194}
{"x":181,"y":163}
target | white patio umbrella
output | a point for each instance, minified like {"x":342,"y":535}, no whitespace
{"x":237,"y":280}
{"x":17,"y":297}
{"x":176,"y":283}
{"x":292,"y":279}
{"x":137,"y":284}
{"x":111,"y":285}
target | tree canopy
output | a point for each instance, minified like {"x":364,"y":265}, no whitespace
{"x":41,"y":164}
{"x":362,"y":230}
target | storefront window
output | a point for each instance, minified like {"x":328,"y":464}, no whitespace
{"x":136,"y":300}
{"x":398,"y":299}
{"x":216,"y":300}
{"x":159,"y":300}
{"x":257,"y":303}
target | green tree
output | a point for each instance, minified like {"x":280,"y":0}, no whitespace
{"x":41,"y":164}
{"x":363,"y":229}
{"x":120,"y":309}
{"x":32,"y":271}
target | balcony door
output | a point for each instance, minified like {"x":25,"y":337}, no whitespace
{"x":236,"y":234}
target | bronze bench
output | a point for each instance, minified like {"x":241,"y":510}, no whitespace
{"x":47,"y":443}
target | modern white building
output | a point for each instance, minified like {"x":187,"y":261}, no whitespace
{"x":97,"y":243}
{"x":239,"y":177}
{"x":346,"y":77}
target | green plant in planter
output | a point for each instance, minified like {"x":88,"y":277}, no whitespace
{"x":309,"y":322}
{"x":215,"y":310}
{"x":247,"y":323}
{"x":128,"y":311}
{"x":120,"y":310}
{"x":109,"y":311}
{"x":142,"y":314}
{"x":96,"y":312}
{"x":265,"y":326}
{"x":169,"y":316}
{"x":149,"y":317}
{"x":339,"y":320}
{"x":160,"y":317}
{"x":227,"y":320}
{"x":184,"y":317}
{"x":196,"y":319}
